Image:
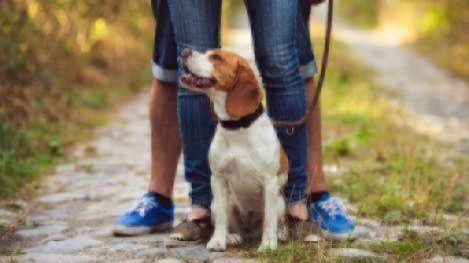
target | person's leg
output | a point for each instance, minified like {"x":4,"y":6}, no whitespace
{"x":273,"y":25}
{"x":316,"y":182}
{"x":154,"y":210}
{"x":196,"y":26}
{"x":327,"y":211}
{"x":165,"y":142}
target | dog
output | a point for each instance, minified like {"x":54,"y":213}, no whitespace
{"x":249,"y":166}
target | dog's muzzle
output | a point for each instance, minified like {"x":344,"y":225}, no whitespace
{"x":189,"y":78}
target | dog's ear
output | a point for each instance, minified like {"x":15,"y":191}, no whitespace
{"x":245,"y":95}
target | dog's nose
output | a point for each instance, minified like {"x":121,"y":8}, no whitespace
{"x":186,"y":53}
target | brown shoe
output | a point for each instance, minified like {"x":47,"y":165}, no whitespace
{"x":303,"y":230}
{"x":191,"y":232}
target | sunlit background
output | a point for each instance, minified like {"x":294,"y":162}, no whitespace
{"x":395,"y":105}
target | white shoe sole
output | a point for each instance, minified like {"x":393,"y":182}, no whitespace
{"x":140,"y":230}
{"x":349,"y":236}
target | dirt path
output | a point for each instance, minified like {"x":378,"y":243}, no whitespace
{"x":438,"y":103}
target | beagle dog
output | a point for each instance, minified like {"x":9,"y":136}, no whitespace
{"x":249,"y":166}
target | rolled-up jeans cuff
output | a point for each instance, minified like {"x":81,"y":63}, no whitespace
{"x":297,"y":195}
{"x":302,"y":201}
{"x":165,"y":75}
{"x":201,"y":203}
{"x":308,"y":70}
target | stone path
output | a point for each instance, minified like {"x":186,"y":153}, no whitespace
{"x":70,"y":220}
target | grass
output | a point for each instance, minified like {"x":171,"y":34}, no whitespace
{"x":412,"y":248}
{"x":50,"y":100}
{"x":29,"y":151}
{"x":401,"y":249}
{"x":362,"y":13}
{"x":295,"y":252}
{"x":407,"y":250}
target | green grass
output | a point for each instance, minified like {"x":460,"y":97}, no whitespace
{"x":410,"y":248}
{"x":29,"y":151}
{"x":50,"y":100}
{"x":294,"y":252}
{"x":15,"y":168}
{"x":400,"y":249}
{"x":415,"y":249}
{"x":362,"y":13}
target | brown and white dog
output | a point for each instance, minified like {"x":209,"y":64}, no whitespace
{"x":249,"y":167}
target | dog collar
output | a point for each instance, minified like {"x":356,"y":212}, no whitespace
{"x":245,"y":121}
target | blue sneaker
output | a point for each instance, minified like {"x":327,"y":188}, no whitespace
{"x":330,"y":214}
{"x":146,"y":216}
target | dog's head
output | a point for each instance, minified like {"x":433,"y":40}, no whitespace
{"x":225,"y":75}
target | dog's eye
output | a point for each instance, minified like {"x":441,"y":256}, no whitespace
{"x":215,"y":57}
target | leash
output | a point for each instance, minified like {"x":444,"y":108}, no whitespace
{"x":312,"y":107}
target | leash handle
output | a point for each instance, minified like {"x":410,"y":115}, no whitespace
{"x":325,"y":57}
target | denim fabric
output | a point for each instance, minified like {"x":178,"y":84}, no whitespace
{"x":164,"y":62}
{"x":196,"y":26}
{"x":274,"y":25}
{"x":303,"y":40}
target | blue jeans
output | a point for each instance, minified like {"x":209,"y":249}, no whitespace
{"x":164,"y":60}
{"x":274,"y":24}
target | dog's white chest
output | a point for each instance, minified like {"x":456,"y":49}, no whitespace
{"x":251,"y":153}
{"x":245,"y":158}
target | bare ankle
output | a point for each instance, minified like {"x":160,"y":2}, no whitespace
{"x":298,"y":210}
{"x":198,"y":212}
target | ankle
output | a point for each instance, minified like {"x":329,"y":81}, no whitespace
{"x":157,"y":188}
{"x":298,"y":210}
{"x":198,"y":212}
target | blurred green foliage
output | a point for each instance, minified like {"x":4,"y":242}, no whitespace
{"x":62,"y":62}
{"x":363,"y":13}
{"x":437,"y":27}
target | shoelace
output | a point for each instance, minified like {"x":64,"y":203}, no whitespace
{"x":334,"y":206}
{"x":142,"y":206}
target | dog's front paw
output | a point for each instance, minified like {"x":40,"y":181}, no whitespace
{"x":268,"y":244}
{"x":216,"y":244}
{"x":234,"y":239}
